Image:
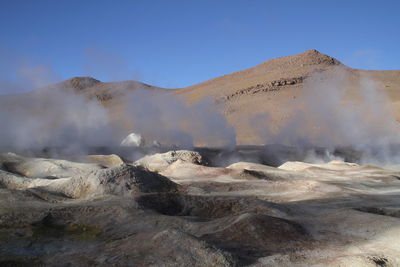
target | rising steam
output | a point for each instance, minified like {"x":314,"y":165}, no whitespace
{"x":162,"y":116}
{"x":334,"y":114}
{"x":57,"y":116}
{"x":330,"y":114}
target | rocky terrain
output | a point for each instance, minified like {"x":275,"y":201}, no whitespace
{"x":83,"y":188}
{"x":174,"y":209}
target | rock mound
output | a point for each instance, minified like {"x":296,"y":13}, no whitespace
{"x":183,"y":170}
{"x":43,"y":168}
{"x":107,"y":161}
{"x":86,"y":180}
{"x":258,"y":231}
{"x":160,"y":161}
{"x":123,"y":180}
{"x":205,"y":206}
{"x":193,"y":251}
{"x":332,"y":165}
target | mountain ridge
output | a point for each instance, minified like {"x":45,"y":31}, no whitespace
{"x":272,"y":87}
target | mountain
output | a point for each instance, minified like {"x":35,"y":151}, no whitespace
{"x":272,"y":90}
{"x":103,"y":91}
{"x":275,"y":88}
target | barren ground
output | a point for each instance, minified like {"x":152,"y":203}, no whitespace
{"x":170,"y":210}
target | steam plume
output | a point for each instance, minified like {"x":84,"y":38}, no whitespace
{"x":332,"y":114}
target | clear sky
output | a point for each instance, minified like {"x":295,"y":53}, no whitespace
{"x":179,"y":43}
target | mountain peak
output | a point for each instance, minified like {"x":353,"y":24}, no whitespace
{"x":310,"y":58}
{"x":316,"y":57}
{"x":81,"y":83}
{"x":312,"y":51}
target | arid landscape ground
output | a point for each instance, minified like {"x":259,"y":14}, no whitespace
{"x":291,"y":163}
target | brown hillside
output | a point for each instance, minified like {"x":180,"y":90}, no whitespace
{"x":273,"y":88}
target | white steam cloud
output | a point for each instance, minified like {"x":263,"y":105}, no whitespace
{"x":330,"y":114}
{"x":57,"y":116}
{"x":53,"y":119}
{"x":333,"y":114}
{"x":164,"y":117}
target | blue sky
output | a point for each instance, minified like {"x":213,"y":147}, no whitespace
{"x":179,"y":43}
